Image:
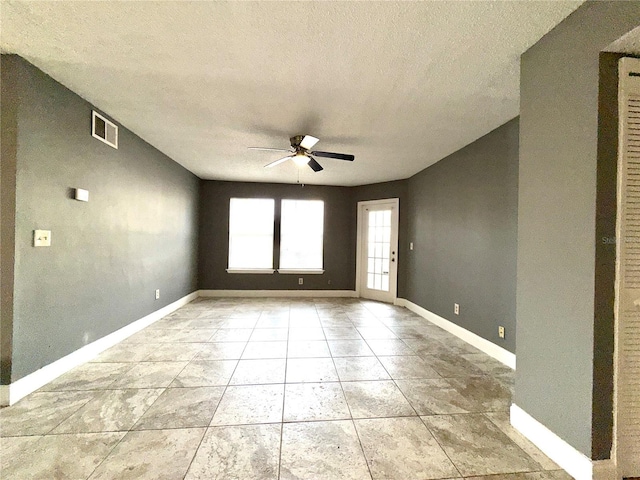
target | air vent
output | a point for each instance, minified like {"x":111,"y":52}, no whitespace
{"x":104,"y":130}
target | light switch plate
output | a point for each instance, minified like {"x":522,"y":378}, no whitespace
{"x":42,"y":238}
{"x":82,"y":195}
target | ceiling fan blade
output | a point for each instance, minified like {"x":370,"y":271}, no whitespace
{"x":308,"y":142}
{"x":315,"y":166}
{"x":278,"y":162}
{"x":338,"y":156}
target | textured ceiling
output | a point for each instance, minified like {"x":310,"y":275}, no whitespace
{"x":399,"y":85}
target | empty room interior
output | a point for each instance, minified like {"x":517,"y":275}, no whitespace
{"x":320,"y":240}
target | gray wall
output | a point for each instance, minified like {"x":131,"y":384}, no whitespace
{"x":137,"y":233}
{"x":8,"y":150}
{"x":556,"y":220}
{"x":339,"y":237}
{"x":462,"y":219}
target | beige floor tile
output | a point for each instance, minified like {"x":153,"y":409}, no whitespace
{"x":124,"y":352}
{"x":402,"y":449}
{"x":255,"y":372}
{"x":308,"y":349}
{"x":409,"y":367}
{"x":311,"y":370}
{"x":375,"y":333}
{"x":477,"y":447}
{"x":390,"y":346}
{"x":41,"y":412}
{"x":221,"y":351}
{"x":360,"y":368}
{"x":314,"y":401}
{"x":241,"y":405}
{"x":548,"y":475}
{"x":488,"y":394}
{"x":174,"y":352}
{"x":149,"y":375}
{"x":151,"y":454}
{"x":56,"y":456}
{"x":341,"y":332}
{"x":349,"y":348}
{"x":205,"y":373}
{"x":269,"y":334}
{"x":181,"y":408}
{"x":322,"y":450}
{"x":112,"y":410}
{"x":501,"y":420}
{"x":306,"y":333}
{"x":376,"y":399}
{"x":247,"y":451}
{"x":256,"y":350}
{"x":232,"y":335}
{"x":90,"y":376}
{"x":433,"y":396}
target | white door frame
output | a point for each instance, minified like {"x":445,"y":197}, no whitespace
{"x":620,"y":455}
{"x":360,"y":235}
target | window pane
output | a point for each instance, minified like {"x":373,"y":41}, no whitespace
{"x":301,"y":234}
{"x":251,"y":233}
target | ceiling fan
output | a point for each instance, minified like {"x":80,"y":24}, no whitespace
{"x":300,"y":152}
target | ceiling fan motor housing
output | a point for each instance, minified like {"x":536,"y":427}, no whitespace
{"x":296,"y":141}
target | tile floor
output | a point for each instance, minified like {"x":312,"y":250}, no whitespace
{"x":276,"y":389}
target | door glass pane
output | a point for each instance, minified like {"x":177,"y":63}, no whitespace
{"x":378,"y":249}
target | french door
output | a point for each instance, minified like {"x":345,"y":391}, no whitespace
{"x":377,"y":266}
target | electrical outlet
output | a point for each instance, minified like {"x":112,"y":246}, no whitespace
{"x":501,"y":331}
{"x":300,"y":281}
{"x":410,"y":245}
{"x":157,"y":294}
{"x":456,"y":309}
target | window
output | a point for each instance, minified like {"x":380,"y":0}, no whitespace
{"x":251,"y":235}
{"x":301,"y":235}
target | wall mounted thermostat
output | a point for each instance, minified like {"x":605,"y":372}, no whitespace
{"x":42,"y":238}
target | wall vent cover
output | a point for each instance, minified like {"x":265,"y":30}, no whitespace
{"x":104,"y":130}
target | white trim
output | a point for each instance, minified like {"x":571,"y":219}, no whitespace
{"x":278,"y":293}
{"x":107,"y":122}
{"x":575,"y":463}
{"x":251,"y":270}
{"x":300,"y":271}
{"x":490,"y":348}
{"x":33,"y":381}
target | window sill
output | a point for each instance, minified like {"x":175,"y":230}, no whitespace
{"x":298,"y":271}
{"x":267,"y":271}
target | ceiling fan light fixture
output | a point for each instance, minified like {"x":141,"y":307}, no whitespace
{"x":300,"y":159}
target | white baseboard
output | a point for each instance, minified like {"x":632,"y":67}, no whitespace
{"x":10,"y":394}
{"x":574,"y":462}
{"x":490,"y":348}
{"x":279,"y":293}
